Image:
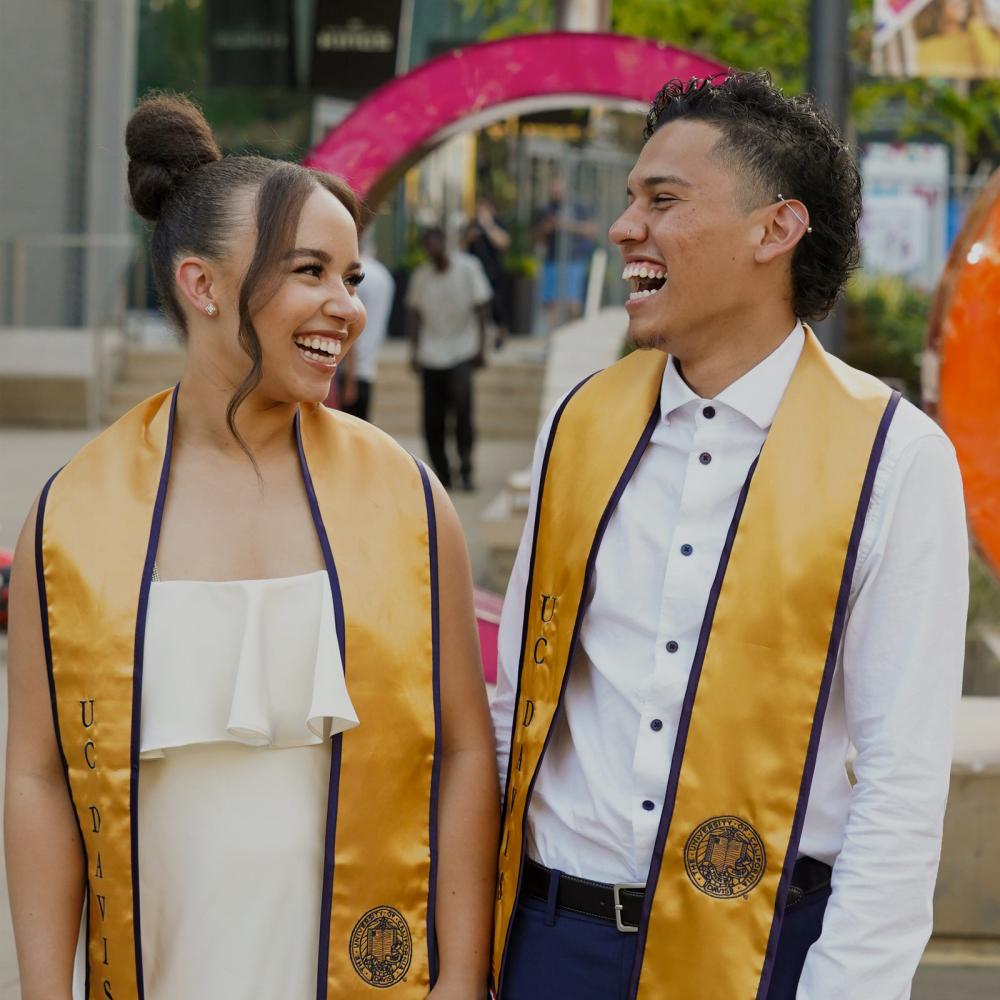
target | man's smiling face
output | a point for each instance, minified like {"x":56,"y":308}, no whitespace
{"x":687,"y":238}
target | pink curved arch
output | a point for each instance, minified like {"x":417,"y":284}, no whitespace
{"x":406,"y":115}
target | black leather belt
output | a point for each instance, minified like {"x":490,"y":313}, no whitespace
{"x":621,"y":904}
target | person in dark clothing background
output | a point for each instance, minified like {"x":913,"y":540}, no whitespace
{"x":447,"y":308}
{"x":487,"y":239}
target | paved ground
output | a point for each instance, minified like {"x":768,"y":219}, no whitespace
{"x":958,"y":982}
{"x":951,"y":971}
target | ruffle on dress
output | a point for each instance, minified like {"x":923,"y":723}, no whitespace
{"x":255,"y":662}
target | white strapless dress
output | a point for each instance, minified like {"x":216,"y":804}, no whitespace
{"x":243,"y":685}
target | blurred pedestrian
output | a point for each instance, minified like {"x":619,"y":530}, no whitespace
{"x":564,"y":279}
{"x":447,"y":302}
{"x":359,"y":369}
{"x":487,"y":239}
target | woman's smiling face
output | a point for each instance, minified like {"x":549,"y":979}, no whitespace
{"x":313,"y":313}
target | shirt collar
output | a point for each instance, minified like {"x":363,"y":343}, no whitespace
{"x":756,"y":394}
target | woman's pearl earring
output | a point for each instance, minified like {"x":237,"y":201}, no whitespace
{"x":210,"y":309}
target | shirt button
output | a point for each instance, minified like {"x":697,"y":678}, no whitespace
{"x":704,"y":458}
{"x":686,"y":549}
{"x":656,"y":725}
{"x":672,"y":646}
{"x":708,"y":412}
{"x":649,"y":805}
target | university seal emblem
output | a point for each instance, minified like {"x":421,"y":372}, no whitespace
{"x":381,"y":947}
{"x":725,"y":857}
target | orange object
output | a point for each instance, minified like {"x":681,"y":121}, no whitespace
{"x":965,"y":336}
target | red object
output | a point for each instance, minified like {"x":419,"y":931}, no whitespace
{"x":488,"y":607}
{"x":6,"y":558}
{"x":474,"y":86}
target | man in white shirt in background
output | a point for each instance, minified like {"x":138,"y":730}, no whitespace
{"x":360,"y":368}
{"x":446,"y":313}
{"x":679,"y":657}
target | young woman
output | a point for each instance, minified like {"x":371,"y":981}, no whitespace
{"x":243,"y":661}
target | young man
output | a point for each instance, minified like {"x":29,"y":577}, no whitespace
{"x":742,"y":557}
{"x":447,"y":308}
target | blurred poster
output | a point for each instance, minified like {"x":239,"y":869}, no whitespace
{"x":956,"y":39}
{"x":355,"y":47}
{"x":249,"y":43}
{"x":904,"y":228}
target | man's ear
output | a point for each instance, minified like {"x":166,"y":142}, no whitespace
{"x":786,"y":222}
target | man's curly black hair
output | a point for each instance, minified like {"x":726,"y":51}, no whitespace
{"x":781,"y":145}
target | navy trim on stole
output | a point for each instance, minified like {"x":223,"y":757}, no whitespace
{"x":43,"y":605}
{"x":683,"y":725}
{"x":137,"y":665}
{"x":432,"y":950}
{"x":337,"y":742}
{"x":836,"y":635}
{"x":822,"y":700}
{"x":556,"y":417}
{"x":616,"y":495}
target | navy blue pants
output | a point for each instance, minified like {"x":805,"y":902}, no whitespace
{"x":556,"y":954}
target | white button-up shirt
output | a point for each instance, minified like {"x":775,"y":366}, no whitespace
{"x":597,"y":799}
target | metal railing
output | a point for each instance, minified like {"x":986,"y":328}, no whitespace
{"x":89,"y":293}
{"x":99,"y":299}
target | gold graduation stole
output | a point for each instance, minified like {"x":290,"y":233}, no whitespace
{"x":98,"y":526}
{"x":737,"y":786}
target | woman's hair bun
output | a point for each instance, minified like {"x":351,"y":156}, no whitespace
{"x":167,"y":138}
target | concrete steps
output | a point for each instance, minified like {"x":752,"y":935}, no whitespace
{"x":161,"y":367}
{"x":508,"y":391}
{"x":507,"y":399}
{"x":145,"y":371}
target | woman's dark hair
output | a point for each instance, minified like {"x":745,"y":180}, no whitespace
{"x":781,"y":145}
{"x":182,"y":184}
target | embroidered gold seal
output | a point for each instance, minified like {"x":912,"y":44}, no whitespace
{"x":725,"y":857}
{"x":381,"y":947}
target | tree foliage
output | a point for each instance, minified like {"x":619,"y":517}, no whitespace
{"x":173,"y":55}
{"x":748,"y":35}
{"x":774,"y":35}
{"x":767,"y":34}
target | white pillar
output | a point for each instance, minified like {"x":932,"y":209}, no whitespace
{"x":111,"y":68}
{"x":583,"y":15}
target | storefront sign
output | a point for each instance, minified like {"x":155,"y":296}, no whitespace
{"x":250,"y":43}
{"x":355,"y":48}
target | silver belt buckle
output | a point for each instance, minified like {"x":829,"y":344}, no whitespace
{"x":616,"y":891}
